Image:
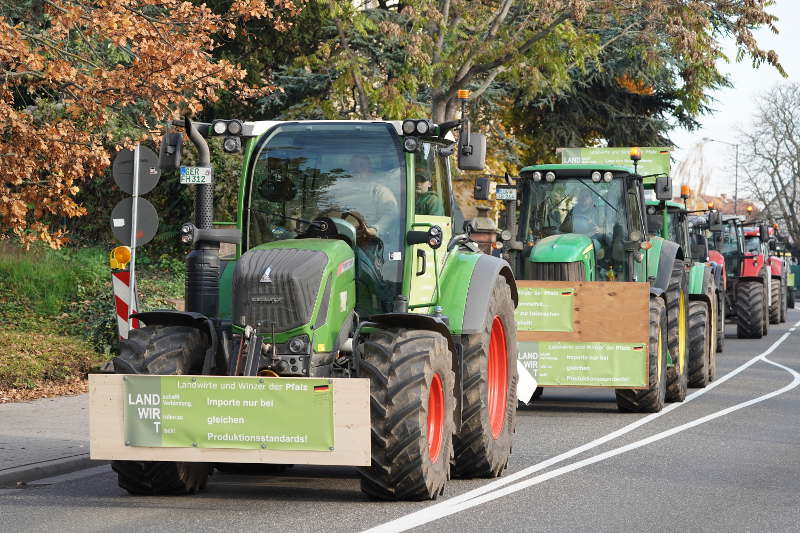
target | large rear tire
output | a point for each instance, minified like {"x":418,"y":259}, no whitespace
{"x":720,"y":321}
{"x":784,"y":301}
{"x":790,"y":298}
{"x":650,"y":400}
{"x":678,"y":321}
{"x":411,"y":407}
{"x":749,"y":310}
{"x":483,"y":444}
{"x":162,"y":350}
{"x":775,"y":302}
{"x":765,"y":308}
{"x":699,"y":344}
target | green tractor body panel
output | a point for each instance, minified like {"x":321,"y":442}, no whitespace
{"x":566,"y":248}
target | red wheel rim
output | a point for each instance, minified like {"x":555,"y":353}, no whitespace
{"x":498,"y":377}
{"x":435,"y":417}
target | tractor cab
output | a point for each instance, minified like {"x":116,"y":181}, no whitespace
{"x":580,"y":220}
{"x":731,"y":244}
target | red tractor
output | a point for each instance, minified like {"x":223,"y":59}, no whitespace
{"x":747,"y":277}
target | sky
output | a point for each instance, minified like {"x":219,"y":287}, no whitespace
{"x":736,"y":106}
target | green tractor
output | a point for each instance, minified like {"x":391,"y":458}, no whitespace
{"x":345,"y":266}
{"x":670,"y":220}
{"x":586,"y":223}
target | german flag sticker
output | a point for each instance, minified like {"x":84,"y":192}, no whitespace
{"x":567,"y":293}
{"x":639,"y":348}
{"x":321,"y":388}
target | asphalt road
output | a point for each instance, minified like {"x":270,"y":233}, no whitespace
{"x":727,"y":459}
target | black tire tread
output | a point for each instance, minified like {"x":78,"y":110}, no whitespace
{"x":699,"y":346}
{"x":749,"y":312}
{"x":677,"y":378}
{"x":650,"y":400}
{"x":477,"y":454}
{"x":161,"y":350}
{"x":395,"y":361}
{"x":775,"y":302}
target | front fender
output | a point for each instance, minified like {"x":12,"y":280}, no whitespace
{"x":214,"y":360}
{"x":466,"y":285}
{"x":660,"y":258}
{"x":752,"y":266}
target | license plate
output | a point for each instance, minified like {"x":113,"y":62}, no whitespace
{"x":505,"y":193}
{"x":196,"y":175}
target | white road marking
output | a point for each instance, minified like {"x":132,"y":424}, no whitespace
{"x":481,"y":494}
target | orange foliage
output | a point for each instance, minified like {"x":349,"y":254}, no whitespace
{"x":634,"y":86}
{"x":93,"y":63}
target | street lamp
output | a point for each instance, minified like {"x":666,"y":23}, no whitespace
{"x":736,"y":170}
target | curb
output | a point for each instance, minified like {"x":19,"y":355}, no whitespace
{"x":10,"y":477}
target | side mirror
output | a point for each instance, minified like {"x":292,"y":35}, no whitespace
{"x":663,"y":188}
{"x":472,"y":156}
{"x":483,"y":187}
{"x":169,"y":157}
{"x":763,"y":232}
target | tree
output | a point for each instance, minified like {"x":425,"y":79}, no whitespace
{"x":771,"y":156}
{"x":441,"y":46}
{"x":80,"y":76}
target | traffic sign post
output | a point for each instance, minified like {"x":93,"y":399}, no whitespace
{"x":134,"y":220}
{"x":134,"y":216}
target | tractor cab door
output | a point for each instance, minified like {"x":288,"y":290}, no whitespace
{"x":432,"y":205}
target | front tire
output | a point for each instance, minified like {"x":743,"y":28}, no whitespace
{"x":650,"y":400}
{"x":720,"y":321}
{"x":161,"y":350}
{"x":775,"y":302}
{"x":677,"y":320}
{"x":699,"y":345}
{"x":411,"y":408}
{"x":749,"y":310}
{"x":483,"y":444}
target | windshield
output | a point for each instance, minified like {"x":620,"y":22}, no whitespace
{"x":579,"y":205}
{"x":353,"y":171}
{"x":752,"y":244}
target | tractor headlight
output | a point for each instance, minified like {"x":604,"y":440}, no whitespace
{"x":234,"y":127}
{"x":505,"y":235}
{"x":423,"y":127}
{"x":608,"y":176}
{"x":550,"y":177}
{"x":537,"y":176}
{"x":298,"y":344}
{"x":219,"y":127}
{"x":232,"y":145}
{"x":187,"y":233}
{"x":596,"y":176}
{"x":409,"y":127}
{"x":410,"y":144}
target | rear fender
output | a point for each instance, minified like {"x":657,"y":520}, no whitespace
{"x":214,"y":359}
{"x":466,"y":285}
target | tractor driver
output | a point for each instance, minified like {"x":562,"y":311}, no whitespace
{"x":373,"y":200}
{"x":582,"y":217}
{"x":427,"y":201}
